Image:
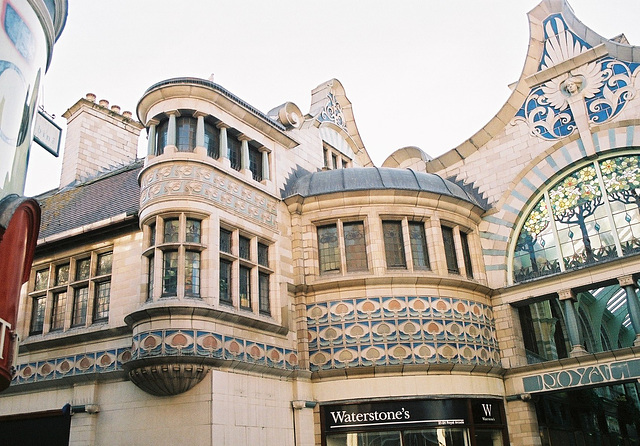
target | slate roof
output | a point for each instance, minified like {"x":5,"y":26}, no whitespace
{"x":376,"y":178}
{"x":114,"y":193}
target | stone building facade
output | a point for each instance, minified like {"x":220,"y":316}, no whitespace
{"x":256,"y":280}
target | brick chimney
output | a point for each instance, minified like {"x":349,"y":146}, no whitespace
{"x":98,"y":139}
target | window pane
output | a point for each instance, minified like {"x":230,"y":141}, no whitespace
{"x":244,"y":248}
{"x":234,"y":151}
{"x":440,"y":437}
{"x":328,"y":248}
{"x":225,"y":241}
{"x":150,"y":278}
{"x":450,"y":250}
{"x":419,"y":253}
{"x":37,"y":314}
{"x":62,"y":274}
{"x":83,"y":269}
{"x":263,"y":292}
{"x":170,"y":273}
{"x":162,"y":137}
{"x":225,"y":281}
{"x":245,"y":287}
{"x":263,"y":255}
{"x":152,"y":234}
{"x":466,"y":254}
{"x":58,"y":311}
{"x":185,"y":133}
{"x":354,"y":246}
{"x":42,"y":279}
{"x":80,"y":301}
{"x":192,"y":273}
{"x":101,"y":303}
{"x":104,"y":263}
{"x":255,"y":163}
{"x":212,"y":140}
{"x":394,"y":244}
{"x":171,"y":230}
{"x":369,"y":439}
{"x":193,"y":230}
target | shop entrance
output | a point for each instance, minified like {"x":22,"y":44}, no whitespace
{"x":453,"y":422}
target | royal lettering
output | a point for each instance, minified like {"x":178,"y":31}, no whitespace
{"x":583,"y":376}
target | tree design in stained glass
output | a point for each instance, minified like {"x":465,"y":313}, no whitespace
{"x":535,"y":250}
{"x":572,"y":201}
{"x":621,"y":178}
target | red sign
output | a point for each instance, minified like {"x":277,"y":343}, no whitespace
{"x":19,"y":225}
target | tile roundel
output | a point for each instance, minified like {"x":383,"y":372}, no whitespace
{"x":378,"y":331}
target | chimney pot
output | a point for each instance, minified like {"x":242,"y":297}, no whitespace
{"x":104,"y":103}
{"x":127,"y":114}
{"x":90,"y":97}
{"x":115,"y":108}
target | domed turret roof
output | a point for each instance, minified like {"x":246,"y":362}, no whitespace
{"x":377,"y":178}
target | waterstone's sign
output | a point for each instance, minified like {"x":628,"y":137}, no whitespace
{"x":583,"y":376}
{"x":399,"y":414}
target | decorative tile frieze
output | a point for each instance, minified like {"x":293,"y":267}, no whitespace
{"x":72,"y":365}
{"x":199,"y":181}
{"x":382,"y":331}
{"x":159,"y":343}
{"x":205,"y":344}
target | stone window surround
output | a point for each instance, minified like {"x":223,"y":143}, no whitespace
{"x":247,"y":144}
{"x":334,"y":159}
{"x":464,"y":258}
{"x":156,"y":247}
{"x":52,"y":290}
{"x":339,"y":222}
{"x":255,"y":267}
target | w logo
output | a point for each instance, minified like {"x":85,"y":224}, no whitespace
{"x":487,"y":409}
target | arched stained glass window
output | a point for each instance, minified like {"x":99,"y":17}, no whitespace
{"x":590,"y":215}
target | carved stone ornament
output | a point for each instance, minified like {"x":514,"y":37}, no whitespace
{"x":606,"y":85}
{"x":332,"y":112}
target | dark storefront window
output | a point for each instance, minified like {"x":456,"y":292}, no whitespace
{"x":592,"y":417}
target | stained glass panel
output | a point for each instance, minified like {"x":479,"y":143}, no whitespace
{"x":355,"y":247}
{"x":62,"y":274}
{"x":393,"y":244}
{"x":42,"y":279}
{"x":328,"y":248}
{"x":83,"y":269}
{"x":588,"y":228}
{"x":419,"y":253}
{"x":193,"y":230}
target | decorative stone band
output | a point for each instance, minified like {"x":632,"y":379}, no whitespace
{"x":208,"y":345}
{"x":88,"y":363}
{"x":163,"y":346}
{"x":383,"y":331}
{"x":199,"y":181}
{"x":596,"y":374}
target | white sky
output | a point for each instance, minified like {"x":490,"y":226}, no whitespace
{"x":428,"y":73}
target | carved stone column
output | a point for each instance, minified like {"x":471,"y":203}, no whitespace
{"x":567,"y":297}
{"x":633,"y":305}
{"x":224,"y":145}
{"x":151,"y":143}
